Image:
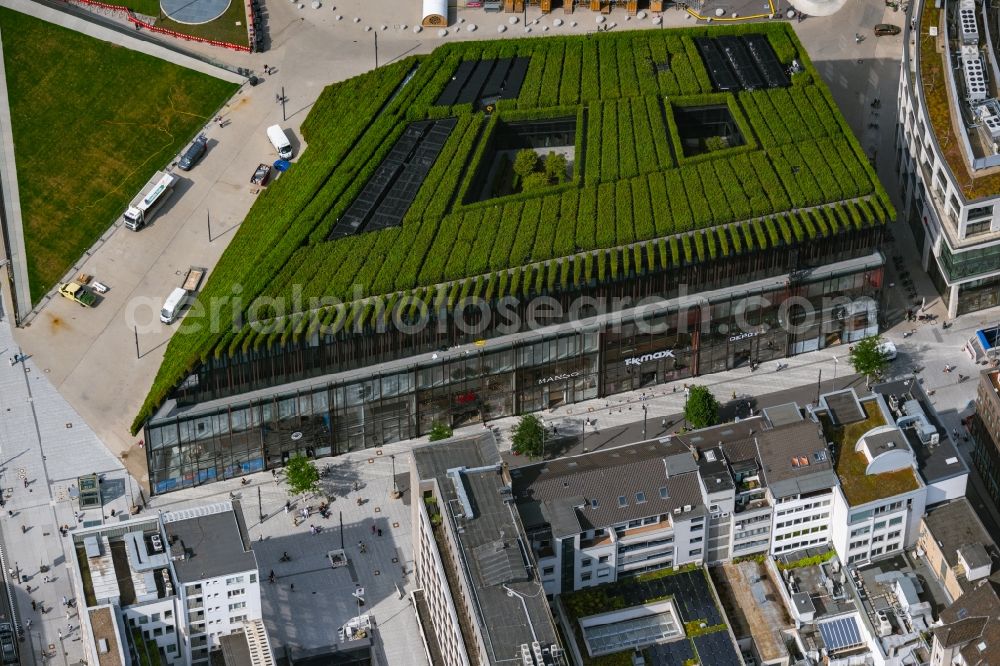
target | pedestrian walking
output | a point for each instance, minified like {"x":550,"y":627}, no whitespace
{"x":34,"y":606}
{"x":24,"y":529}
{"x":60,"y":634}
{"x":25,"y":483}
{"x":10,"y":513}
{"x":373,"y":530}
{"x":45,"y":579}
{"x":380,"y":532}
{"x":65,"y":601}
{"x":291,"y":587}
{"x":27,"y":625}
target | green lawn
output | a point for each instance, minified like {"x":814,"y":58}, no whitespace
{"x":92,"y":122}
{"x":230,"y":27}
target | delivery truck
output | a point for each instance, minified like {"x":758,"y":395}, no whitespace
{"x":180,"y":296}
{"x":146,"y":203}
{"x":280,"y":141}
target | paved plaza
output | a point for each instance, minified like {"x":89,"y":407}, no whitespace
{"x":310,"y":599}
{"x":44,"y":447}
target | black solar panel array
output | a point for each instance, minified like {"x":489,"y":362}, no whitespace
{"x":388,"y":194}
{"x":478,"y":79}
{"x":718,"y":70}
{"x":470,"y":91}
{"x":675,"y":653}
{"x":454,"y":87}
{"x":767,"y":60}
{"x":515,"y":78}
{"x":741,"y":62}
{"x":716,"y":649}
{"x":494,"y":84}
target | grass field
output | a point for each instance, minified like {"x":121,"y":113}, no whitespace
{"x":86,"y":136}
{"x":224,"y":28}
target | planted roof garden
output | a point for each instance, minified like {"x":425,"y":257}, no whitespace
{"x":663,"y":170}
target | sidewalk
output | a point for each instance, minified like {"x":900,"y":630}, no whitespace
{"x":43,"y":451}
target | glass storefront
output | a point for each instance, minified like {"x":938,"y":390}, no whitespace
{"x":965,"y":264}
{"x":562,"y":365}
{"x":979,"y":294}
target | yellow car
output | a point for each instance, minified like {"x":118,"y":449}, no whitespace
{"x":77,"y":292}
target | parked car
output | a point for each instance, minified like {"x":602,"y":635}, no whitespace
{"x":194,"y":153}
{"x":8,"y":644}
{"x":886,"y":30}
{"x":261,"y":174}
{"x":78,"y":293}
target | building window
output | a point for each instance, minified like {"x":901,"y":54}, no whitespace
{"x":976,"y":228}
{"x":896,"y":521}
{"x":238,"y":592}
{"x":697,"y":528}
{"x":603,"y":559}
{"x":697,"y":539}
{"x":622,"y":502}
{"x":585,"y":576}
{"x":586,"y":562}
{"x":238,"y":605}
{"x":694,"y":553}
{"x":234,"y":581}
{"x":168,"y":614}
{"x":634,"y":523}
{"x":663,"y":492}
{"x":640,"y":497}
{"x":547,"y":571}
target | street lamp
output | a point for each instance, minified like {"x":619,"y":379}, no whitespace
{"x":645,"y":413}
{"x":395,"y":489}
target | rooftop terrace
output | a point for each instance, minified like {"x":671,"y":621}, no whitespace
{"x":858,"y":486}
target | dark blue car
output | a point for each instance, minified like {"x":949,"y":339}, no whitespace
{"x":194,"y":153}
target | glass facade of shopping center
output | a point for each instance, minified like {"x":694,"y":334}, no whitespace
{"x":529,"y":371}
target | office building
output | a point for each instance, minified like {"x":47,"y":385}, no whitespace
{"x":175,"y":584}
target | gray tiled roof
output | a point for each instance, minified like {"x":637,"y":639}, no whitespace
{"x":844,"y":407}
{"x":603,"y":477}
{"x":489,"y":542}
{"x":795,"y":459}
{"x":973,"y":622}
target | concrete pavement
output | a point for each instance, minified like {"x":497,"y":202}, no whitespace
{"x":44,"y":446}
{"x":14,"y":235}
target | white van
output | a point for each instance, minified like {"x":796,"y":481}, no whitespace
{"x":172,"y":306}
{"x":280,"y":142}
{"x":888,"y":348}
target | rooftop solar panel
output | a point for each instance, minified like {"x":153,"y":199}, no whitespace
{"x":454,"y":87}
{"x":387,"y":195}
{"x":718,"y":69}
{"x":841,"y":633}
{"x":515,"y":78}
{"x":494,"y":84}
{"x":767,"y":60}
{"x":476,"y":81}
{"x":716,"y":649}
{"x":739,"y":58}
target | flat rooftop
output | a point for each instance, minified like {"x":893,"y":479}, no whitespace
{"x":490,"y":543}
{"x":213,"y":539}
{"x":955,"y":525}
{"x":934,"y":463}
{"x":858,"y":486}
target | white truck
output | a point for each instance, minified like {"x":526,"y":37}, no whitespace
{"x":179,"y":297}
{"x":145,"y":204}
{"x":280,"y":141}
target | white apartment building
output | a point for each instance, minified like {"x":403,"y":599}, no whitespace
{"x":895,"y":459}
{"x":174,"y":583}
{"x":949,"y":164}
{"x":767,"y":484}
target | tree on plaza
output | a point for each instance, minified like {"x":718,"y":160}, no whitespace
{"x":529,"y":436}
{"x":439,"y":431}
{"x":525,"y":162}
{"x":302,"y":475}
{"x":701,"y":408}
{"x":868,"y":358}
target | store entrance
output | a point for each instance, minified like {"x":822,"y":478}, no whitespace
{"x":741,"y":353}
{"x":555,"y":395}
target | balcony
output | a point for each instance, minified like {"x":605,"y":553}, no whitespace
{"x":605,"y":540}
{"x":634,"y":532}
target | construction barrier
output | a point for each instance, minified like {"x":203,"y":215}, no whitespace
{"x":139,"y":23}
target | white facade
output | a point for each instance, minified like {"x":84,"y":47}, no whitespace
{"x":958,"y":237}
{"x":802,"y":521}
{"x":150,"y":593}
